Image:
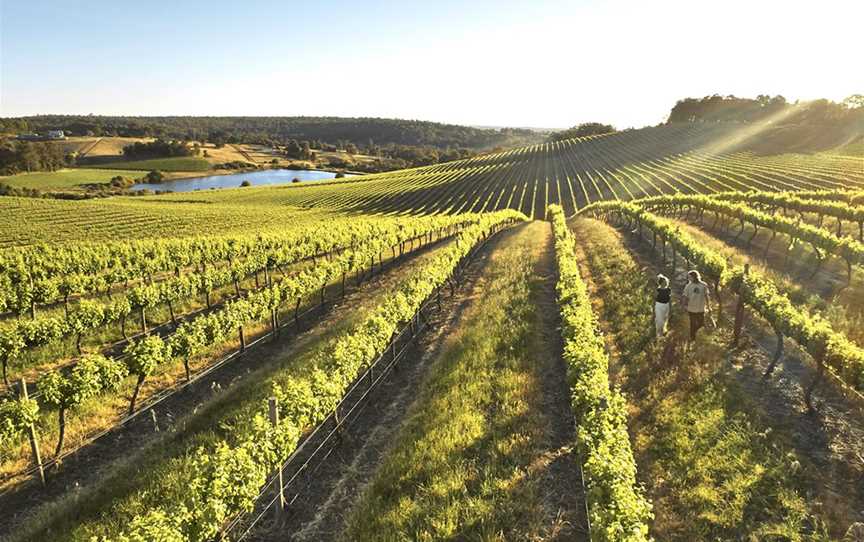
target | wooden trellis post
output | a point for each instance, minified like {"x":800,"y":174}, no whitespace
{"x":739,"y":313}
{"x":34,"y":442}
{"x":280,"y":502}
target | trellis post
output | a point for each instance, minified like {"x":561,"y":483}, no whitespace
{"x":34,"y":442}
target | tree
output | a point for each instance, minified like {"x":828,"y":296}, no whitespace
{"x":293,"y":149}
{"x":144,"y":356}
{"x":91,"y":375}
{"x":154,"y":176}
{"x":855,"y":101}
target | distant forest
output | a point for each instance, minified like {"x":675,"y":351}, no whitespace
{"x":280,"y":130}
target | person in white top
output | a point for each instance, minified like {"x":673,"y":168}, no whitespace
{"x":697,"y":301}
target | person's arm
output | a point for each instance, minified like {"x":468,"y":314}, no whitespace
{"x":707,"y":299}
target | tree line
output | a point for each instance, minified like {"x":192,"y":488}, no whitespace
{"x":764,"y":107}
{"x":279,"y":130}
{"x":582,"y":130}
{"x":27,"y":156}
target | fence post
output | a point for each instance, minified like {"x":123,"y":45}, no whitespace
{"x":242,"y":340}
{"x":280,"y":503}
{"x":34,"y":443}
{"x":739,"y":313}
{"x":778,"y":353}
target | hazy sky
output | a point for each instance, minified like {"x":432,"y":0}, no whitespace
{"x":543,"y":63}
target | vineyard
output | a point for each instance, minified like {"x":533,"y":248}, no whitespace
{"x":460,"y":351}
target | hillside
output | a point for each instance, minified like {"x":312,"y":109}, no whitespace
{"x":688,"y":158}
{"x":359,"y":131}
{"x":400,"y":351}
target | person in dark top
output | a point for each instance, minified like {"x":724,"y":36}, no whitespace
{"x":662,"y":304}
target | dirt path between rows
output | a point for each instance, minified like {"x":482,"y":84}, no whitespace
{"x":562,"y":475}
{"x":326,"y":502}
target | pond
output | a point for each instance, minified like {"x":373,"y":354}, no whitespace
{"x":233,"y":180}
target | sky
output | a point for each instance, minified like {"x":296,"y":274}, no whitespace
{"x":540,"y":63}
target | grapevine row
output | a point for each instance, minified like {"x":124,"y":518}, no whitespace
{"x":65,"y":389}
{"x":823,"y":242}
{"x":225,"y":478}
{"x":618,"y":509}
{"x":792,"y":201}
{"x":813,"y":334}
{"x":90,"y":315}
{"x":44,"y":274}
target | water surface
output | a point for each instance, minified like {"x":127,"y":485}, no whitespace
{"x":255,"y":178}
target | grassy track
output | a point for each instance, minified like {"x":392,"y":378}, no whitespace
{"x":68,"y":178}
{"x":470,"y":460}
{"x":713,"y":468}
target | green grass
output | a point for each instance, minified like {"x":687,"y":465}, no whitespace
{"x":177,"y":163}
{"x":714,"y":470}
{"x":467,"y":462}
{"x":68,"y":178}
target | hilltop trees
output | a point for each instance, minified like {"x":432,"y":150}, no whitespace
{"x":764,"y":107}
{"x":279,"y":130}
{"x":582,"y":130}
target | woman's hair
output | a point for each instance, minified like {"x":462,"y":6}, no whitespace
{"x":662,"y":280}
{"x":695,"y":276}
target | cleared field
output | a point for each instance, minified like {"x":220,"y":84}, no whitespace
{"x":105,"y":147}
{"x":68,"y":178}
{"x":177,"y":163}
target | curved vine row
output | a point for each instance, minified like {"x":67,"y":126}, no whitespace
{"x":225,"y":478}
{"x":792,"y":201}
{"x":67,"y":389}
{"x":618,"y":508}
{"x":813,"y":334}
{"x":44,"y":274}
{"x":90,"y":315}
{"x":823,"y":242}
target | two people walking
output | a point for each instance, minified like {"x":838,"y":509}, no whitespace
{"x":695,"y":297}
